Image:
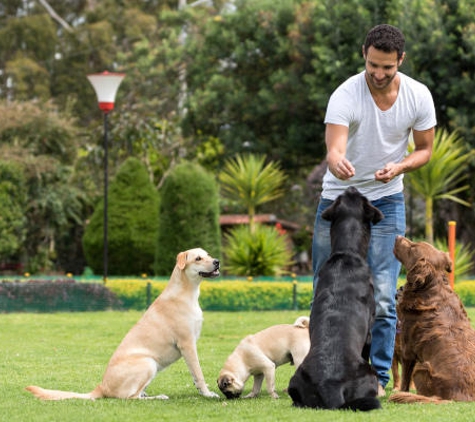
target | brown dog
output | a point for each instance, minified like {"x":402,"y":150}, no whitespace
{"x":260,"y":354}
{"x":397,"y":356}
{"x":167,"y":331}
{"x":438,"y":341}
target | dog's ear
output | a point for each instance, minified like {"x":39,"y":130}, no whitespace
{"x":374,"y":215}
{"x":420,"y":273}
{"x":328,"y":213}
{"x":225,"y":382}
{"x":181,"y":260}
{"x":448,"y":262}
{"x":441,"y":261}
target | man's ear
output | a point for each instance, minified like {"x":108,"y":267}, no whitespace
{"x":364,"y":52}
{"x":402,"y":58}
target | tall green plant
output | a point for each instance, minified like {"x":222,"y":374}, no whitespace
{"x":132,"y":223}
{"x":463,"y":257}
{"x":257,"y":249}
{"x":189,"y":215}
{"x":262,"y":251}
{"x":443,"y":176}
{"x":250,"y":182}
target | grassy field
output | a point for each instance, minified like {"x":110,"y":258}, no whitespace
{"x":70,"y":352}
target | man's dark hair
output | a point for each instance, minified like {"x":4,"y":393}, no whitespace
{"x":386,"y":38}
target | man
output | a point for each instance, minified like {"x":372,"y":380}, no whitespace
{"x":369,"y":120}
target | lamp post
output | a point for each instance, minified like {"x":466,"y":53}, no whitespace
{"x":106,"y":85}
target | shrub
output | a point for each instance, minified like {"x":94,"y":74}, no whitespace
{"x":13,"y":200}
{"x":223,"y":295}
{"x":132,"y":224}
{"x":133,"y":293}
{"x":259,"y":252}
{"x":466,"y":292}
{"x":60,"y":295}
{"x":463,"y":257}
{"x":189,"y":215}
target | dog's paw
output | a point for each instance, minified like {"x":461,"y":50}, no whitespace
{"x":210,"y":394}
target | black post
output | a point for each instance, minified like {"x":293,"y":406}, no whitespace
{"x":106,"y":182}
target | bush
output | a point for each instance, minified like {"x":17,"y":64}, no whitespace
{"x":463,"y":257}
{"x":466,"y":292}
{"x":132,"y":224}
{"x":60,"y":295}
{"x":189,"y":215}
{"x":259,"y":252}
{"x":136,"y":294}
{"x":13,"y":200}
{"x":223,"y":295}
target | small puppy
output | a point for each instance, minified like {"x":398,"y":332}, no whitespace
{"x":336,"y":373}
{"x":259,"y":354}
{"x":438,"y":341}
{"x":168,"y":330}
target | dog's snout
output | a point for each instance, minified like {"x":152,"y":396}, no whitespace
{"x":216,"y":263}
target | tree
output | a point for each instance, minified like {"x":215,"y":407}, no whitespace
{"x":13,"y":199}
{"x":255,"y":249}
{"x":443,"y":176}
{"x":189,"y":215}
{"x":43,"y":144}
{"x":132,"y":224}
{"x":250,"y":182}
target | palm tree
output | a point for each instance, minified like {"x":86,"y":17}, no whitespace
{"x":250,"y":182}
{"x":257,"y":249}
{"x":442,"y":176}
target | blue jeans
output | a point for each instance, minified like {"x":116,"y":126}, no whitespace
{"x":384,"y":266}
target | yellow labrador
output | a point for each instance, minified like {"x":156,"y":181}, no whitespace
{"x":260,"y":354}
{"x":168,"y":330}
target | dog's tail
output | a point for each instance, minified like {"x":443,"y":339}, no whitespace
{"x":302,"y":322}
{"x":406,"y":397}
{"x":45,"y":394}
{"x":363,"y":404}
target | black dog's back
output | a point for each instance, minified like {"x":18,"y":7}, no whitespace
{"x":336,"y":373}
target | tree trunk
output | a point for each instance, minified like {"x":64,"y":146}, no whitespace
{"x":429,"y":220}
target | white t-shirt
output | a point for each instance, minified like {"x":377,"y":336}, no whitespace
{"x":376,"y":137}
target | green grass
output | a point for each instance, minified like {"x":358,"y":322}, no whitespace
{"x":70,"y":352}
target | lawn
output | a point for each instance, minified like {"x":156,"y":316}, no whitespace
{"x":69,"y":351}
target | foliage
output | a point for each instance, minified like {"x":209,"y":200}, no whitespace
{"x":136,"y":294}
{"x":249,"y":79}
{"x":466,"y":291}
{"x":55,"y":296}
{"x":464,"y":256}
{"x":255,"y":296}
{"x":250,"y":182}
{"x":236,"y":295}
{"x":13,"y":200}
{"x":43,"y":145}
{"x":132,"y":223}
{"x":256,"y":76}
{"x":189,"y":215}
{"x":443,"y":175}
{"x":259,"y":252}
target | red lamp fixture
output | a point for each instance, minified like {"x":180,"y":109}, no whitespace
{"x":106,"y":85}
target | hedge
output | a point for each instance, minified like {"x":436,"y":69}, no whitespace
{"x":52,"y":296}
{"x":466,"y":292}
{"x":222,"y":295}
{"x":244,"y":295}
{"x":239,"y":295}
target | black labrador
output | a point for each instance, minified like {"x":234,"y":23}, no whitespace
{"x":336,"y":373}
